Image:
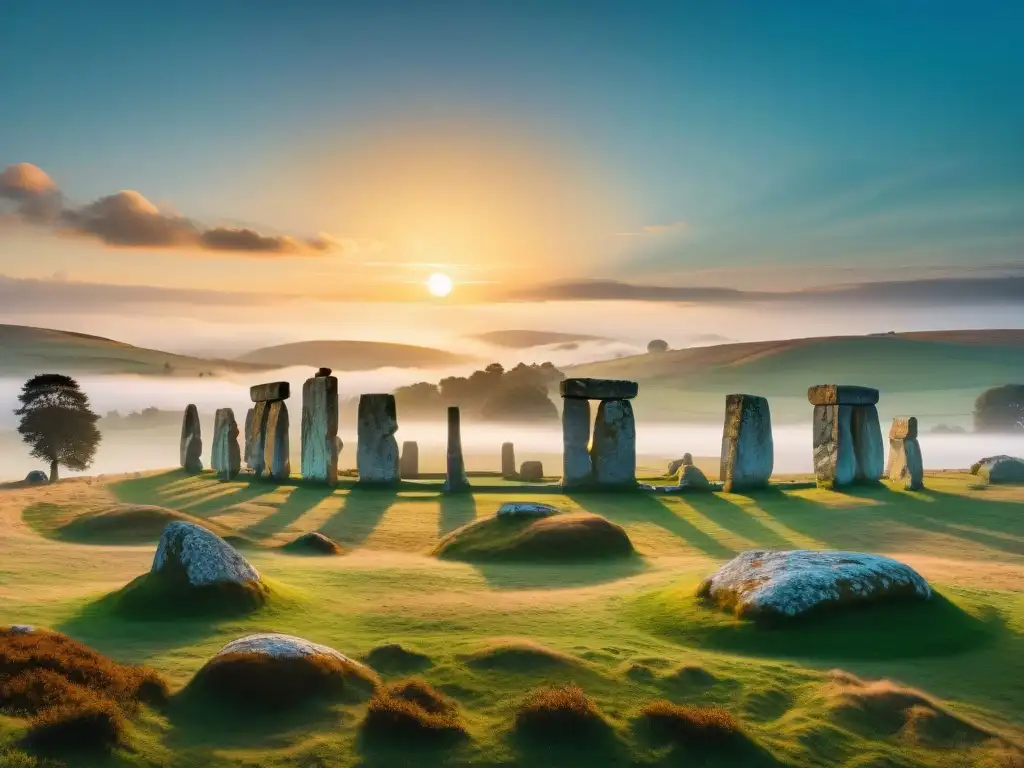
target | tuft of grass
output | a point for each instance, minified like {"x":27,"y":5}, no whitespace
{"x":697,"y":727}
{"x":75,"y":698}
{"x":412,"y":711}
{"x":153,"y":596}
{"x":258,"y":681}
{"x":392,"y":658}
{"x":558,"y":713}
{"x":313,"y":543}
{"x":559,"y":538}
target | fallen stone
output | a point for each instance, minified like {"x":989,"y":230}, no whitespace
{"x":409,"y":463}
{"x":376,"y":448}
{"x":748,"y":449}
{"x":976,"y":467}
{"x":526,"y":509}
{"x":279,"y":646}
{"x":18,"y":629}
{"x":276,"y":454}
{"x":692,"y":477}
{"x":868,"y":448}
{"x":508,"y":460}
{"x":191,"y":555}
{"x":226,"y":458}
{"x":37,"y":476}
{"x":455,"y":466}
{"x":191,"y":448}
{"x":1002,"y":470}
{"x":598,"y":389}
{"x":268,"y":393}
{"x":786,"y":584}
{"x":613,"y":450}
{"x":835,"y":461}
{"x":577,"y":467}
{"x":842,"y":394}
{"x":319,"y":461}
{"x":256,"y":434}
{"x":531,"y":470}
{"x":313,"y":542}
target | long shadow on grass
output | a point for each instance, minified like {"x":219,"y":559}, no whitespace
{"x":360,"y":514}
{"x":457,"y":510}
{"x":737,"y":520}
{"x":299,"y":501}
{"x":214,"y":499}
{"x":541,"y":575}
{"x":625,"y":508}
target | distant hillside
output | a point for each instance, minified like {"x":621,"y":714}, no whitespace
{"x":527,"y":339}
{"x":935,"y":375}
{"x":25,"y":351}
{"x":354,"y":355}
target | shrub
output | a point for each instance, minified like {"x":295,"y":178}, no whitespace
{"x":692,"y":726}
{"x":412,"y":711}
{"x":557,"y":713}
{"x":96,"y":724}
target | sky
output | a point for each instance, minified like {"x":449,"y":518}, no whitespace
{"x":219,"y":175}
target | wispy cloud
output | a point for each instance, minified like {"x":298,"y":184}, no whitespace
{"x":127,"y":219}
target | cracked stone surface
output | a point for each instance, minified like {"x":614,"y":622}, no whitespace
{"x":613,"y":450}
{"x":319,"y":461}
{"x":377,"y":458}
{"x":200,"y":557}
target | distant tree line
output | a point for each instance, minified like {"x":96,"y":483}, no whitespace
{"x":1000,"y":409}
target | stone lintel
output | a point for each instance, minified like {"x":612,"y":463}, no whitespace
{"x":842,"y":394}
{"x":265,"y":393}
{"x":598,"y":389}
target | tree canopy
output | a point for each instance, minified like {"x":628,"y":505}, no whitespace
{"x":57,"y":422}
{"x":657,"y":345}
{"x":1000,"y":409}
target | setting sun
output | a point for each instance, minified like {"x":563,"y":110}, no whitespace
{"x":439,"y":285}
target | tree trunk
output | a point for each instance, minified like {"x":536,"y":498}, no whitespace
{"x":54,"y":474}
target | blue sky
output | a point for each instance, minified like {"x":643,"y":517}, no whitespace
{"x":684,"y":143}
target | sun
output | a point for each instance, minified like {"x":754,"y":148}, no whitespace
{"x":439,"y":284}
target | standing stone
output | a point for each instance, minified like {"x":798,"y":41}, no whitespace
{"x":276,"y":458}
{"x":191,"y":448}
{"x":377,"y":448}
{"x":748,"y":451}
{"x":508,"y":460}
{"x":905,"y":462}
{"x":455,"y":465}
{"x":577,"y":467}
{"x":835,"y":463}
{"x":320,"y":429}
{"x":256,"y":437}
{"x":226,"y":459}
{"x":338,"y":447}
{"x":531,"y":470}
{"x":409,"y":464}
{"x":247,"y":452}
{"x":867,"y":443}
{"x":613,"y":452}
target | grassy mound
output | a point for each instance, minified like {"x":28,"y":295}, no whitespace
{"x":411,"y":711}
{"x":882,"y":709}
{"x":519,"y":656}
{"x":692,"y":676}
{"x":74,"y":697}
{"x":112,"y":524}
{"x":313,"y":544}
{"x":559,"y":538}
{"x":154,"y":596}
{"x":557,"y":714}
{"x":392,"y":658}
{"x":934,"y":627}
{"x":258,"y":681}
{"x":697,"y":727}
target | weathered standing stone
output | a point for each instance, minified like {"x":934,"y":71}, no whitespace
{"x":455,"y":465}
{"x":748,"y":450}
{"x":226,"y":459}
{"x":409,"y":464}
{"x":841,"y":394}
{"x":377,"y":448}
{"x":531,"y":470}
{"x":247,"y":450}
{"x":319,"y":429}
{"x":191,"y":448}
{"x":598,"y":389}
{"x":508,"y":460}
{"x":276,"y":458}
{"x":268,"y":393}
{"x":835,"y":463}
{"x":613,"y":450}
{"x":577,"y":467}
{"x":905,"y":461}
{"x":256,"y":437}
{"x":867,"y":443}
{"x":691,"y":477}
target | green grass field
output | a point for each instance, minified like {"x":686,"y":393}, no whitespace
{"x":627,"y":631}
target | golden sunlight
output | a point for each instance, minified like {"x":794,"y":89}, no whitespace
{"x":439,"y":284}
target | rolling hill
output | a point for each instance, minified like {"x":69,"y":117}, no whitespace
{"x":934,"y":375}
{"x":25,"y":351}
{"x":354,"y":355}
{"x":525,"y":339}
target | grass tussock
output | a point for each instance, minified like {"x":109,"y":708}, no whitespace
{"x":559,"y":538}
{"x":520,"y":656}
{"x":412,"y":711}
{"x":696,"y":727}
{"x":259,"y":681}
{"x":392,"y":658}
{"x":557,"y":713}
{"x":313,"y":543}
{"x":74,"y":697}
{"x":693,"y":676}
{"x":883,"y":709}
